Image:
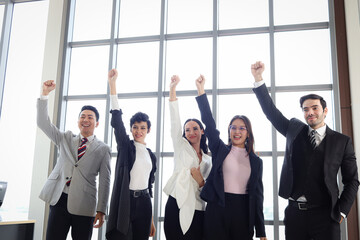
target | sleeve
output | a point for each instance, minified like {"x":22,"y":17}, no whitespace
{"x":104,"y":181}
{"x":176,"y":129}
{"x":212,"y":133}
{"x":119,"y":129}
{"x":44,"y":123}
{"x":349,"y":175}
{"x":114,"y":102}
{"x":278,"y":120}
{"x":259,"y":214}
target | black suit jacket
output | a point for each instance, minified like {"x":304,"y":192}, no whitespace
{"x":213,"y":191}
{"x":339,"y":154}
{"x":119,"y":214}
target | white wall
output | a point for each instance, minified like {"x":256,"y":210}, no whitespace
{"x":44,"y":151}
{"x":352,"y":11}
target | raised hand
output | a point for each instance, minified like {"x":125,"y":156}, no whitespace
{"x":200,"y":84}
{"x":47,"y":87}
{"x":257,"y":69}
{"x":173,"y":83}
{"x":112,"y":76}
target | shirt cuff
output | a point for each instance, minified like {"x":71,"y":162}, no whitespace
{"x":343,"y":215}
{"x":114,"y":102}
{"x":43,"y":97}
{"x":258,"y":84}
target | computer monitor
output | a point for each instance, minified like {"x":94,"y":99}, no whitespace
{"x":3,"y":186}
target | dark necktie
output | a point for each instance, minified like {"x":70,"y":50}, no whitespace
{"x":82,"y":148}
{"x":312,"y":138}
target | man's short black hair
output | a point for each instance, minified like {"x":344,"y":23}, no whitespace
{"x":91,"y":108}
{"x":140,"y":117}
{"x":313,"y":96}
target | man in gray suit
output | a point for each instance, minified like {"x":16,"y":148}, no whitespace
{"x":71,"y":187}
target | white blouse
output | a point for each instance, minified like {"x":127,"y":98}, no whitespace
{"x":181,"y":185}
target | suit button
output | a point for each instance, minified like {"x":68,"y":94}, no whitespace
{"x":76,"y":165}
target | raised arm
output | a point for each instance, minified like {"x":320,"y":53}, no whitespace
{"x":200,"y":85}
{"x":43,"y":120}
{"x":278,"y":120}
{"x":47,"y":87}
{"x":112,"y":76}
{"x":211,"y":132}
{"x":174,"y":82}
{"x":116,"y":119}
{"x":175,"y":127}
{"x":257,"y":70}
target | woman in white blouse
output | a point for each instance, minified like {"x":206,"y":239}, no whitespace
{"x":184,"y":211}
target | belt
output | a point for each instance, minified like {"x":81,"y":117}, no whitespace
{"x":139,"y":193}
{"x":302,"y":205}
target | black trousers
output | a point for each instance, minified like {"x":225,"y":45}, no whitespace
{"x":172,"y":227}
{"x":230,"y":222}
{"x":140,"y":219}
{"x":312,"y":224}
{"x":60,"y":221}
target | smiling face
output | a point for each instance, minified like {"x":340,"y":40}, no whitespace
{"x":314,"y":113}
{"x":139,"y":131}
{"x":87,"y":123}
{"x":238,"y":133}
{"x":193,"y":132}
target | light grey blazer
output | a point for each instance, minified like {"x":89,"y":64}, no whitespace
{"x":83,"y":197}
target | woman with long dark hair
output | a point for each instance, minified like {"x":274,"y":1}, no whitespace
{"x":234,"y":188}
{"x":184,"y":211}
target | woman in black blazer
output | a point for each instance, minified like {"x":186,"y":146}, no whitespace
{"x":234,"y":189}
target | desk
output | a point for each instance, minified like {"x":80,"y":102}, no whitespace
{"x":17,"y":230}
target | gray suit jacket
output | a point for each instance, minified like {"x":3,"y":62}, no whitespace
{"x":82,"y":197}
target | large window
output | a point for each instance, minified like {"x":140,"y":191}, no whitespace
{"x":150,"y":40}
{"x":22,"y":50}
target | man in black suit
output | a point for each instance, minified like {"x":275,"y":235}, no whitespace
{"x":309,"y":172}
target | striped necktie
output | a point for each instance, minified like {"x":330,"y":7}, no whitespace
{"x":312,"y":138}
{"x":82,"y":148}
{"x":81,"y":152}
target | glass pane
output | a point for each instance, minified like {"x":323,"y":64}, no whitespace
{"x":138,"y":66}
{"x":303,"y":57}
{"x":281,"y":232}
{"x":131,"y":106}
{"x":189,"y":59}
{"x":236,"y":54}
{"x":167,"y":171}
{"x":243,"y":14}
{"x":139,"y":18}
{"x":88,"y":70}
{"x":2,"y":7}
{"x":268,"y":188}
{"x":72,"y":115}
{"x":288,"y":103}
{"x":189,"y":16}
{"x":188,"y":109}
{"x":269,"y":230}
{"x":18,"y":118}
{"x":247,"y":105}
{"x":300,"y":11}
{"x":92,"y":20}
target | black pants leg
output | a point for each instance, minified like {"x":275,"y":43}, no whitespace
{"x":141,"y":217}
{"x":313,"y":224}
{"x":172,"y":227}
{"x":230,"y":222}
{"x":60,"y":221}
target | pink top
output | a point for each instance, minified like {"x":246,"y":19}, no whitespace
{"x":236,"y":171}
